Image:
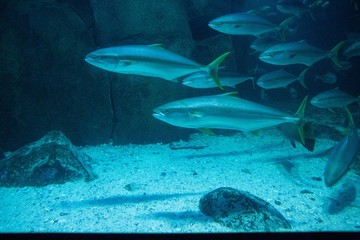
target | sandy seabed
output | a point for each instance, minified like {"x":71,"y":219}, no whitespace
{"x":156,"y":188}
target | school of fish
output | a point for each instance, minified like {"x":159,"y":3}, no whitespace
{"x":227,"y":111}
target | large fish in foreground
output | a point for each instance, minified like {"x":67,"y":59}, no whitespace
{"x":228,"y":112}
{"x":342,"y":155}
{"x":299,"y":53}
{"x":150,"y":60}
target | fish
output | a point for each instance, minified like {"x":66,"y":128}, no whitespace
{"x":353,"y":50}
{"x":297,"y":8}
{"x":342,"y":155}
{"x":264,"y":42}
{"x":299,"y":52}
{"x":245,"y":23}
{"x":327,"y":77}
{"x":355,"y":4}
{"x":227,"y":112}
{"x":290,"y":132}
{"x":150,"y":60}
{"x":280,"y":79}
{"x":204,"y":80}
{"x":333,"y":98}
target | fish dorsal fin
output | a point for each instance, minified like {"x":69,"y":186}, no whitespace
{"x":300,"y":112}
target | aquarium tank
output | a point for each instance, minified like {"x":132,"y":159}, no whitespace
{"x":180,"y":116}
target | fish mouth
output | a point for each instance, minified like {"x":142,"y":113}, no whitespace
{"x":213,"y":24}
{"x":89,"y":58}
{"x":158,"y":113}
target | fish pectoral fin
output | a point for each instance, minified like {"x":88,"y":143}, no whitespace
{"x":196,"y":114}
{"x":206,"y":131}
{"x":255,"y":133}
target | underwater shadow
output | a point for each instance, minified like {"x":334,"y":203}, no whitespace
{"x":126,"y":199}
{"x":248,"y":151}
{"x":179,"y":216}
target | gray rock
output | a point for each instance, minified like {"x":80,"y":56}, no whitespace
{"x":46,"y":83}
{"x":50,"y":160}
{"x":242,"y":211}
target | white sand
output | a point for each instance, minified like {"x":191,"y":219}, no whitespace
{"x":167,"y":185}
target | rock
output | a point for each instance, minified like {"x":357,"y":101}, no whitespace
{"x":47,"y":84}
{"x":50,"y":160}
{"x":242,"y":211}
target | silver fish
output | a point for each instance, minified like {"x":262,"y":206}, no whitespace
{"x":298,"y":53}
{"x":204,"y":80}
{"x":342,"y":155}
{"x":226,"y":112}
{"x":264,"y":42}
{"x":150,"y":60}
{"x":327,"y":77}
{"x":353,"y":50}
{"x":245,"y":23}
{"x":280,"y":79}
{"x":333,"y":98}
{"x":297,"y":7}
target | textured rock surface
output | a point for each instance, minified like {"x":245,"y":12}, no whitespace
{"x":51,"y":160}
{"x":241,"y":211}
{"x":45,"y":83}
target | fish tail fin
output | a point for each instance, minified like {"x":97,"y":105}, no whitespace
{"x":254,"y":77}
{"x":351,"y":123}
{"x":312,"y":7}
{"x":283,"y":26}
{"x":302,"y":77}
{"x":213,"y":67}
{"x":309,"y":137}
{"x":334,"y":54}
{"x":300,"y":114}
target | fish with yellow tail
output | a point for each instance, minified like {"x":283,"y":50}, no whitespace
{"x":246,"y":23}
{"x":342,"y":155}
{"x":226,"y":111}
{"x":299,"y":52}
{"x":151,"y":61}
